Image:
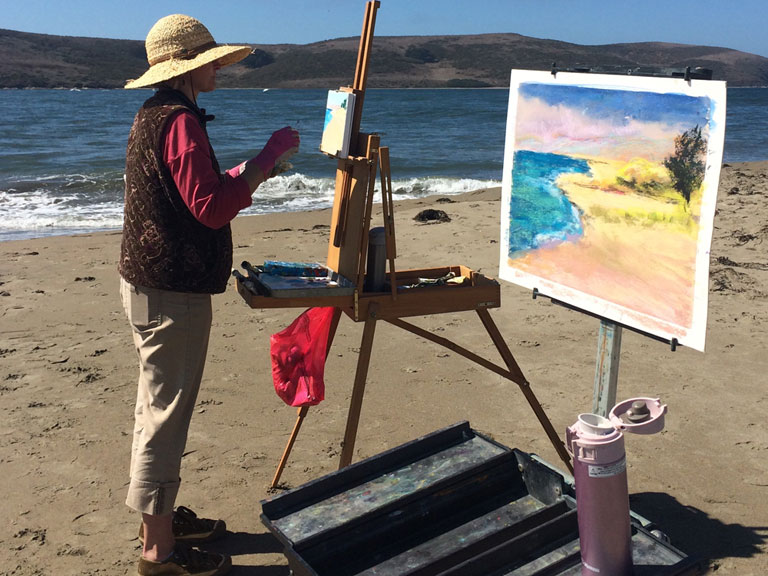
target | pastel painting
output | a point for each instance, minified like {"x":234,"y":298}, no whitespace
{"x":608,"y":196}
{"x":338,"y":121}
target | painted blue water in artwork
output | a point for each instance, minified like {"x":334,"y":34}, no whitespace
{"x":539,"y":213}
{"x":328,"y":116}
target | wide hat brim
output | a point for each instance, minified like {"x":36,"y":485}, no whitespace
{"x":169,"y":69}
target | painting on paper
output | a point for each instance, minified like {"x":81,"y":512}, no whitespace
{"x":339,"y":111}
{"x":608,"y":195}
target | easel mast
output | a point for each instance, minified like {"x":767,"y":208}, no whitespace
{"x":363,"y":59}
{"x":356,"y":174}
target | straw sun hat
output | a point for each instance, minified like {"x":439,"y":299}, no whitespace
{"x":178,"y":44}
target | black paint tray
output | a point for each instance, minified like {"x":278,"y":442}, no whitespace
{"x":454,"y":503}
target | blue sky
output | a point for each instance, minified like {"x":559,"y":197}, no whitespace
{"x":622,"y":106}
{"x":738,"y":24}
{"x":599,"y":123}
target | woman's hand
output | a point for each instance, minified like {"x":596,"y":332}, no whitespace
{"x":273,"y":159}
{"x":283,"y":144}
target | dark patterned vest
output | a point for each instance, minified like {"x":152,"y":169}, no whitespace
{"x":163,"y":245}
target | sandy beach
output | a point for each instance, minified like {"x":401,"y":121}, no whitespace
{"x":68,"y":376}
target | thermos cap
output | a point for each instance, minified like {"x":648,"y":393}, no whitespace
{"x":639,"y":415}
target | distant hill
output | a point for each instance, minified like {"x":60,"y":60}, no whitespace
{"x":43,"y":61}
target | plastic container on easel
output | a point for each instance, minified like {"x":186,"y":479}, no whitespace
{"x":376,"y":270}
{"x":600,"y":477}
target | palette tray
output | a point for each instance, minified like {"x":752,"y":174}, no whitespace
{"x":451,"y":503}
{"x":297,"y":280}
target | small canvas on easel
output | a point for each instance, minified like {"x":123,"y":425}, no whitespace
{"x":339,"y":112}
{"x":608,"y":195}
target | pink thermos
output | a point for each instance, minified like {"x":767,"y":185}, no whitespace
{"x":600,"y":477}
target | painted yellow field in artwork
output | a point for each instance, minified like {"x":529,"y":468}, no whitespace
{"x":632,"y":244}
{"x":333,"y":133}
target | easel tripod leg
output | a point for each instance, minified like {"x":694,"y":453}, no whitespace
{"x":358,"y":390}
{"x":301,"y":413}
{"x":525,"y":387}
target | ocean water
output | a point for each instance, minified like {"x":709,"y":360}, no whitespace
{"x":538,"y":205}
{"x":62,"y":152}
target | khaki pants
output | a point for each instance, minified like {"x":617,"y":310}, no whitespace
{"x":170,"y":331}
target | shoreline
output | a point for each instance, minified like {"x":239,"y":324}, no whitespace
{"x":68,"y":385}
{"x":750,"y":165}
{"x":296,"y":192}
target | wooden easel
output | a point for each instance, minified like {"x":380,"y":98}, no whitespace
{"x":347,"y":250}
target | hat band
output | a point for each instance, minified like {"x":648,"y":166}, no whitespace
{"x":184,"y":53}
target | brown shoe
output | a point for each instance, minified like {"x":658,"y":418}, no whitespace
{"x":189,"y":529}
{"x":187,"y":562}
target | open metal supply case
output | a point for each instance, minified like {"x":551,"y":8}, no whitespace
{"x":450,"y":503}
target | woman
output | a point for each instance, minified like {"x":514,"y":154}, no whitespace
{"x":176,"y":251}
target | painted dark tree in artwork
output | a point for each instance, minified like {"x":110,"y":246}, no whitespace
{"x":688,"y":163}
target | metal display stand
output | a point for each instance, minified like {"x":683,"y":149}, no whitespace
{"x":609,"y":336}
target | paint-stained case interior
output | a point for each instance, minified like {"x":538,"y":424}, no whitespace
{"x":453,"y":502}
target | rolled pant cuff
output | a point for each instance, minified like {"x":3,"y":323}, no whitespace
{"x":152,"y":498}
